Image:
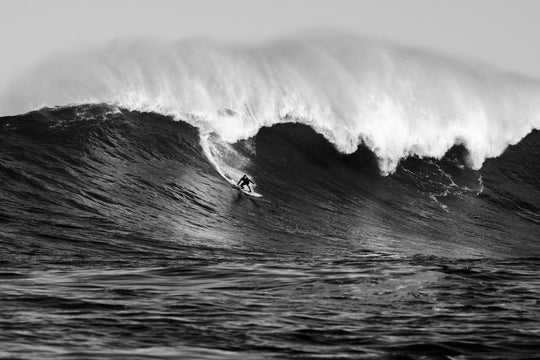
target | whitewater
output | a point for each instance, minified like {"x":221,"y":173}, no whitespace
{"x":354,"y":90}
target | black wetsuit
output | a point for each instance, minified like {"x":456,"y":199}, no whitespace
{"x":245,"y":181}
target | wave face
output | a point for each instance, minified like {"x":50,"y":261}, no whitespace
{"x":141,"y":171}
{"x":121,"y":236}
{"x":396,"y":101}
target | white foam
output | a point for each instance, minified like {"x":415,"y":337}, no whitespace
{"x":352,"y":90}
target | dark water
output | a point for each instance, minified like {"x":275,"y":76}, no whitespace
{"x":120,"y":240}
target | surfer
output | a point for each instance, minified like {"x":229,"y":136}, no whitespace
{"x":245,"y":181}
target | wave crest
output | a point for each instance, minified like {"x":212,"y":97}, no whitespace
{"x":353,"y":90}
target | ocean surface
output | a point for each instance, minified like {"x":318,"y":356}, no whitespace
{"x":409,"y":231}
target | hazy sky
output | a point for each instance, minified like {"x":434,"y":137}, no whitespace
{"x":501,"y":32}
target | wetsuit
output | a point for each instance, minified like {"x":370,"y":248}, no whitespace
{"x":245,"y":181}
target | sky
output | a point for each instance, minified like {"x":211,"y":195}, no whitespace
{"x":503,"y":33}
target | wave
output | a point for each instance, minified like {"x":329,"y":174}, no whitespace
{"x":354,"y":91}
{"x":124,"y":218}
{"x":110,"y":180}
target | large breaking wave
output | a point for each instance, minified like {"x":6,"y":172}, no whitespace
{"x":121,"y":238}
{"x":396,"y":101}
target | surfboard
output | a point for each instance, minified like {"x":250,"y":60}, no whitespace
{"x":252,"y":194}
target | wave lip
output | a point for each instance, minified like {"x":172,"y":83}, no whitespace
{"x":397,"y":101}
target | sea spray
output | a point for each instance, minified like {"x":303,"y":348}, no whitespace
{"x":353,"y":90}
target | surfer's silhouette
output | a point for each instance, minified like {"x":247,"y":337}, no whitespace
{"x":244,"y":181}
